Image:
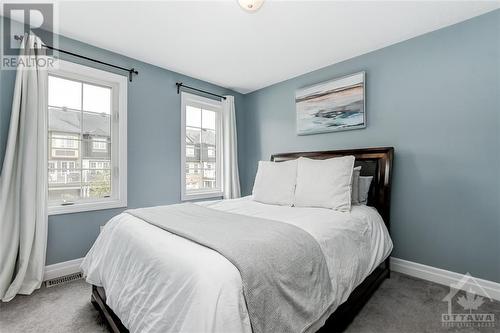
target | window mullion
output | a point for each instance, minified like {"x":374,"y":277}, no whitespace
{"x":80,"y":157}
{"x":201,"y":140}
{"x":218,"y":150}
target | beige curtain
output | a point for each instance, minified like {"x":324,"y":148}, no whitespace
{"x":23,"y":181}
{"x":230,"y":150}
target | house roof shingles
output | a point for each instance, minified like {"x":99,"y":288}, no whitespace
{"x":68,"y":121}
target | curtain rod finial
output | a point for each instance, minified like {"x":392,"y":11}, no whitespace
{"x":131,"y":72}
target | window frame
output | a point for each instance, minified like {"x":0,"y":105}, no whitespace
{"x":118,"y":85}
{"x":212,"y":105}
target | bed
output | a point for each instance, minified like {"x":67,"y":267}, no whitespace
{"x":149,"y":280}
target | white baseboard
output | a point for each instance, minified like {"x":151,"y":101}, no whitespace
{"x":441,"y":276}
{"x":62,"y":269}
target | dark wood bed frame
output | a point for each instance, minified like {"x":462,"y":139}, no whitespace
{"x":376,"y":162}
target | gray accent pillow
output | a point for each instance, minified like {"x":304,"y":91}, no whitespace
{"x":355,"y":186}
{"x":364,"y":188}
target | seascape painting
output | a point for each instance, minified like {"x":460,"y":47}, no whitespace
{"x":336,"y":105}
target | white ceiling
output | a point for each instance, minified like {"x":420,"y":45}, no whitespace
{"x":218,"y":42}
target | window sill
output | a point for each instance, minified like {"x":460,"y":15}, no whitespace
{"x":201,"y":195}
{"x":86,"y":207}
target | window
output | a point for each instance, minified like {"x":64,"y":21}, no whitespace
{"x":64,"y":141}
{"x":100,"y":145}
{"x":87,"y":115}
{"x":201,"y":147}
{"x":190,"y":151}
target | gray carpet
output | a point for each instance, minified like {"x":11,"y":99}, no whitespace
{"x":402,"y":304}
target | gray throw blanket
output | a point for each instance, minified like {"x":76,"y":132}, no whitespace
{"x":283,"y":270}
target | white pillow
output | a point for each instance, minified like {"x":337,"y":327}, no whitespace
{"x":275,"y":182}
{"x":324,"y":183}
{"x":364,"y":188}
{"x":355,"y":186}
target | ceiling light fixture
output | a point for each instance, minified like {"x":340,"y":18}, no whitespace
{"x":251,"y":5}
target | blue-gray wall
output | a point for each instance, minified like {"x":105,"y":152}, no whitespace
{"x":435,"y":98}
{"x":153,"y":145}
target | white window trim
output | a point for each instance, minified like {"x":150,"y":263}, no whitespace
{"x":216,"y":106}
{"x":78,"y":72}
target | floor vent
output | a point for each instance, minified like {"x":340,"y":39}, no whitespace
{"x":63,"y":279}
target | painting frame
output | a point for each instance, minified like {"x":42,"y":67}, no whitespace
{"x":330,"y":106}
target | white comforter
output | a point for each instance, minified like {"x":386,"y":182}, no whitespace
{"x":159,"y":282}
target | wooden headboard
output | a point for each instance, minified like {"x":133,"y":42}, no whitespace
{"x":376,"y":162}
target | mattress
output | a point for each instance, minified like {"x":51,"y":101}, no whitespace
{"x":156,"y":281}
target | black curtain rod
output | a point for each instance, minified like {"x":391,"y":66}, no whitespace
{"x":130,"y":71}
{"x":180,"y":85}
